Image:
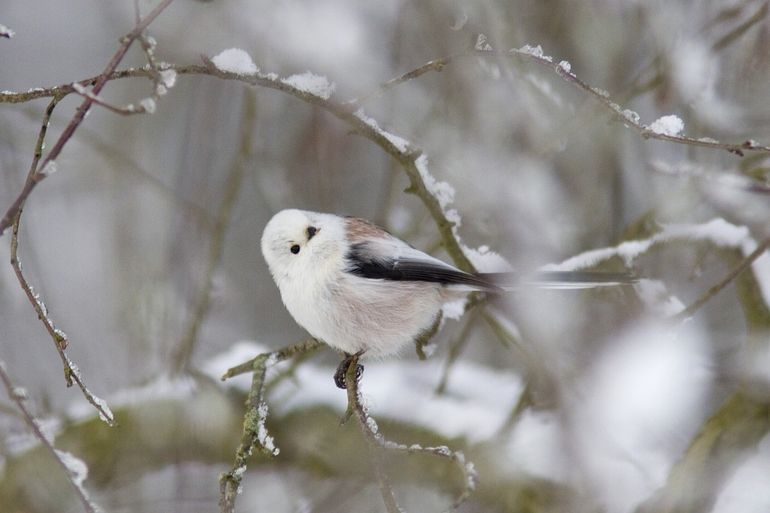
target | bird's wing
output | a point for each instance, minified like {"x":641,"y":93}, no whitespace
{"x":392,"y":259}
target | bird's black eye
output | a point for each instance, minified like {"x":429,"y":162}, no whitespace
{"x":294,"y":249}
{"x":311,"y":231}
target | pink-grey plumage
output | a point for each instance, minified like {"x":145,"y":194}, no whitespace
{"x":358,"y":288}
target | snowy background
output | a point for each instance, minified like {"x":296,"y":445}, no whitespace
{"x":564,"y":400}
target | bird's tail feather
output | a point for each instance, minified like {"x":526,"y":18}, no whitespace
{"x":558,"y":279}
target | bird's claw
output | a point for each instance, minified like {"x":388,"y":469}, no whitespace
{"x":342,"y":371}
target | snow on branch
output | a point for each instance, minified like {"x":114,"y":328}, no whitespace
{"x":75,"y":469}
{"x":666,"y":128}
{"x":255,"y":435}
{"x":80,"y":113}
{"x":378,"y":442}
{"x":719,"y":232}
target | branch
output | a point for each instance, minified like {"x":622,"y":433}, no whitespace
{"x":36,"y":176}
{"x":724,"y":282}
{"x":378,"y":442}
{"x":73,"y":468}
{"x":255,"y":435}
{"x":71,"y":371}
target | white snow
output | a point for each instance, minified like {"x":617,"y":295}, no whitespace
{"x":486,"y":260}
{"x":746,"y":490}
{"x":667,"y":125}
{"x":533,"y":446}
{"x":76,"y":467}
{"x":475,"y":405}
{"x":657,"y":298}
{"x":400,"y":143}
{"x":482,"y":44}
{"x":317,"y":85}
{"x":264,"y":438}
{"x":717,"y":231}
{"x":693,"y":68}
{"x":168,"y":77}
{"x":565,"y":66}
{"x":454,"y":309}
{"x":535,"y":51}
{"x":442,"y":191}
{"x":631,"y":116}
{"x":148,"y":104}
{"x":637,"y":409}
{"x":49,"y":168}
{"x":235,"y":60}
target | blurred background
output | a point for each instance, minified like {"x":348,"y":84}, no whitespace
{"x":145,"y":248}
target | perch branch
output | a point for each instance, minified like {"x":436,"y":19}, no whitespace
{"x":377,"y":442}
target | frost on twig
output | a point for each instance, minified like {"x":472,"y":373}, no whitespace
{"x":666,"y":128}
{"x":74,"y":468}
{"x":717,"y":231}
{"x":71,"y":371}
{"x":255,"y":434}
{"x":80,"y":114}
{"x":377,"y":442}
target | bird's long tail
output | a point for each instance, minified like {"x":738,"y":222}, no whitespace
{"x":557,"y":280}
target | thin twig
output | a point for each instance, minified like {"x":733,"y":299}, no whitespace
{"x":434,"y":65}
{"x":184,"y":350}
{"x":18,"y":396}
{"x":741,"y":29}
{"x":303,"y":347}
{"x":454,"y":352}
{"x":371,"y":435}
{"x":127,"y":110}
{"x":71,"y":371}
{"x":80,"y":114}
{"x":255,"y":435}
{"x":724,"y":282}
{"x":377,"y":442}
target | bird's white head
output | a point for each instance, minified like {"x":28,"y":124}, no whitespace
{"x":298,"y":242}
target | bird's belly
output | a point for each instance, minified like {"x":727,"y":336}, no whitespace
{"x":378,"y":316}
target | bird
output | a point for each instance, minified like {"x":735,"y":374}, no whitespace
{"x":364,"y":291}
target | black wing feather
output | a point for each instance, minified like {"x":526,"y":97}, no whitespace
{"x":362,"y":263}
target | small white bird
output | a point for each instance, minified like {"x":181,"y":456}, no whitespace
{"x":361,"y":290}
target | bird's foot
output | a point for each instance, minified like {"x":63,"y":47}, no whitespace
{"x":342,"y":370}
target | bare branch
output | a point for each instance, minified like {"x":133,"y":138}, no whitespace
{"x":724,"y":282}
{"x":255,"y":434}
{"x":127,"y":110}
{"x":303,"y":347}
{"x":18,"y":396}
{"x":71,"y":371}
{"x":373,"y":438}
{"x":80,"y":114}
{"x":377,"y":442}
